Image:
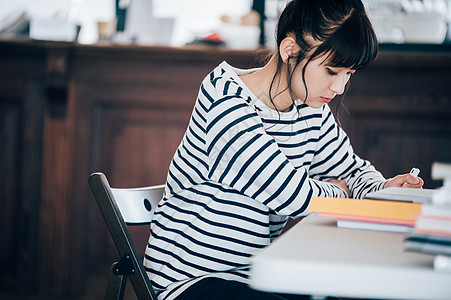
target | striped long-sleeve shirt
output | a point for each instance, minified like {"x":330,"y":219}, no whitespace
{"x":241,"y":170}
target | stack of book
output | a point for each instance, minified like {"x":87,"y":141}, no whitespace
{"x":398,"y":216}
{"x":432,"y":234}
{"x":434,"y":219}
{"x":432,"y":231}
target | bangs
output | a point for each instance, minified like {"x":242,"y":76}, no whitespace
{"x":352,"y":45}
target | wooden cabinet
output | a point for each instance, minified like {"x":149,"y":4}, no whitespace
{"x":67,"y":110}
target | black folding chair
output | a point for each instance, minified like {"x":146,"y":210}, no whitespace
{"x":120,"y":208}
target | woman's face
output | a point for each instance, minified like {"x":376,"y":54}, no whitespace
{"x":323,"y":81}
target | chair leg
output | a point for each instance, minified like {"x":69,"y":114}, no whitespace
{"x":118,"y":278}
{"x":116,"y":287}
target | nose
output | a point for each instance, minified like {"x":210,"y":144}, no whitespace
{"x":338,"y":84}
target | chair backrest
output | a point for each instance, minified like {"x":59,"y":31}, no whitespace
{"x":121,"y":207}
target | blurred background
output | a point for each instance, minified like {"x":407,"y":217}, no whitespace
{"x":109,"y":85}
{"x":177,"y":22}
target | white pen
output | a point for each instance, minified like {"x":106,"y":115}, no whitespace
{"x":415,"y":172}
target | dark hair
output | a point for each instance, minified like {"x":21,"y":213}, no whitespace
{"x":341,"y":27}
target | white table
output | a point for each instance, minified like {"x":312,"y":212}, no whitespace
{"x":315,"y":257}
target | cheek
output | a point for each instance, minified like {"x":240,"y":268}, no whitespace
{"x":297,"y":85}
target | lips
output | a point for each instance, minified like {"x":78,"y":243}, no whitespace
{"x":326,"y":100}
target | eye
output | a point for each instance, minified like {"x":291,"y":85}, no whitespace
{"x":332,"y":73}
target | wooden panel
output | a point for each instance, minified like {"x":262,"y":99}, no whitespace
{"x":133,"y":145}
{"x":400,"y":115}
{"x":137,"y":143}
{"x":20,"y":159}
{"x":10,"y":133}
{"x":56,"y":214}
{"x":133,"y":108}
{"x":396,"y":146}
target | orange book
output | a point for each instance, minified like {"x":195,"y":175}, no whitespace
{"x":366,"y":208}
{"x":340,"y":217}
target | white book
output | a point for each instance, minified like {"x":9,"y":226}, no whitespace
{"x":403,"y":194}
{"x":442,"y":263}
{"x":442,"y":211}
{"x":425,"y":223}
{"x":374,"y":226}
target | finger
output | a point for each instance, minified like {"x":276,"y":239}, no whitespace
{"x":410,"y":186}
{"x":413,"y":180}
{"x":417,"y":185}
{"x":402,"y":180}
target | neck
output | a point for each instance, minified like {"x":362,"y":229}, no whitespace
{"x":259,"y":83}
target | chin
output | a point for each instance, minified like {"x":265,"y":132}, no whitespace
{"x":315,"y":105}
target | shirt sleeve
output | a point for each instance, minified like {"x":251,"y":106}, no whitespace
{"x":243,"y":156}
{"x":335,"y":158}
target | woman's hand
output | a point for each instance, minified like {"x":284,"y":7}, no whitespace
{"x":340,"y":183}
{"x":405,"y":180}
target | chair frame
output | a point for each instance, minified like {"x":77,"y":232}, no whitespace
{"x":130,"y":264}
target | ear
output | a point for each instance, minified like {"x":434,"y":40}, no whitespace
{"x":287,"y":48}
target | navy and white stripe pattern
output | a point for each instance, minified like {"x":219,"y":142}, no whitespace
{"x":240,"y":171}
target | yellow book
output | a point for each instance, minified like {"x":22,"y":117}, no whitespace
{"x":366,"y":208}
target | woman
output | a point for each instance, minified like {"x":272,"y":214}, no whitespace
{"x":260,"y":144}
